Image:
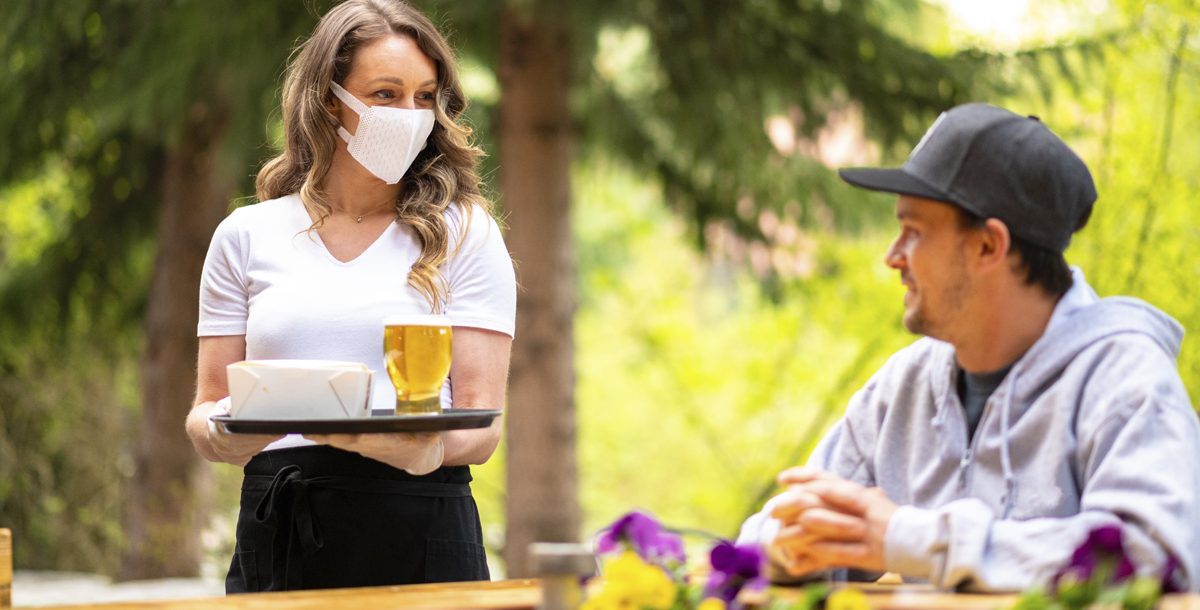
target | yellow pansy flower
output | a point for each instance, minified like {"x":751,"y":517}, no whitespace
{"x":847,"y":599}
{"x":630,"y":582}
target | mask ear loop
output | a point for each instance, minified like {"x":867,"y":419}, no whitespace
{"x":357,"y":106}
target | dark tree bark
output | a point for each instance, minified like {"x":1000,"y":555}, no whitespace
{"x":536,"y":147}
{"x":167,"y":503}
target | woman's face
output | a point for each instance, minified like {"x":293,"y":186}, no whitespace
{"x":389,"y":71}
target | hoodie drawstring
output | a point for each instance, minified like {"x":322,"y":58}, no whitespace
{"x":1010,"y":481}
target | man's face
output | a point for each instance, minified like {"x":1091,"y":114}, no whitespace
{"x":930,"y":255}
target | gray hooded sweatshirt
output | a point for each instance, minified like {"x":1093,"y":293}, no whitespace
{"x":1092,"y":426}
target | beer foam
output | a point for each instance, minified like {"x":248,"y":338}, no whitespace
{"x":417,"y":320}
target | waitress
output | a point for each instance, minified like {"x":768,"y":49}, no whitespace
{"x":373,"y":208}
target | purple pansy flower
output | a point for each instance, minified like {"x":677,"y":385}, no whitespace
{"x":1103,"y":547}
{"x":745,"y":560}
{"x":1105,"y":539}
{"x":733,"y":568}
{"x":647,"y":538}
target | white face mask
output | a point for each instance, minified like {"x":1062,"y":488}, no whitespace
{"x":387,"y":139}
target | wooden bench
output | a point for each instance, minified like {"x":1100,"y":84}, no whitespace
{"x":5,"y":568}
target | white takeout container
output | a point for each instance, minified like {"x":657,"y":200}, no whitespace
{"x":298,"y":389}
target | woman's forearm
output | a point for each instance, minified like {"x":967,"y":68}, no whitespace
{"x":197,"y":430}
{"x":468,"y":447}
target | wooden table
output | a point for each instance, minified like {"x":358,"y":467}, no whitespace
{"x":526,"y":594}
{"x":925,"y":597}
{"x":495,"y":595}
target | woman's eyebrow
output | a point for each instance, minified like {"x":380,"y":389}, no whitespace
{"x":399,"y":81}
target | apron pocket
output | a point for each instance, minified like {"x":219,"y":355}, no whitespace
{"x":454,"y":561}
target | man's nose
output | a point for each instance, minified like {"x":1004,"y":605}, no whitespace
{"x":894,"y":258}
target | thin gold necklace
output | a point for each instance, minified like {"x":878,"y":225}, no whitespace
{"x":358,"y":218}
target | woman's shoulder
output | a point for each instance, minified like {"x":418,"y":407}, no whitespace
{"x":250,"y":219}
{"x":471,"y":221}
{"x":263,"y":214}
{"x":269,"y":209}
{"x":457,"y":211}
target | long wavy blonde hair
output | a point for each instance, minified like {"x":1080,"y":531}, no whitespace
{"x":443,"y":173}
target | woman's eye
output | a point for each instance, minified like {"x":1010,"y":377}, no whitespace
{"x":384,"y":94}
{"x":427,"y":96}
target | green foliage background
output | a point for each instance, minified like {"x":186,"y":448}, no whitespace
{"x":696,"y":386}
{"x":698,"y":379}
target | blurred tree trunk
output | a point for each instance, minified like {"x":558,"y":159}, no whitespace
{"x":167,"y":503}
{"x":536,"y":148}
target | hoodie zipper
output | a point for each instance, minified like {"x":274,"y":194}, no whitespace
{"x":964,"y":462}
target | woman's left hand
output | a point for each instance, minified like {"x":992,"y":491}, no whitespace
{"x":413,"y":452}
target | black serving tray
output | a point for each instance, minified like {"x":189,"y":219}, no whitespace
{"x":449,"y":419}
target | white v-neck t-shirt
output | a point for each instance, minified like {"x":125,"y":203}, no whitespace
{"x":269,"y":278}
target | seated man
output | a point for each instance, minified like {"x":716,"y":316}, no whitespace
{"x":1033,"y":411}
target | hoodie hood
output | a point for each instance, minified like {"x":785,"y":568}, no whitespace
{"x":1080,"y":320}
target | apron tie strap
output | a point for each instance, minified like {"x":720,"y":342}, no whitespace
{"x":303,"y":537}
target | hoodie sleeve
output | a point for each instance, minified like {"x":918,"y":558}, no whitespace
{"x":1140,"y":473}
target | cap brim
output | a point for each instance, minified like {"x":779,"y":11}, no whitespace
{"x":891,"y":180}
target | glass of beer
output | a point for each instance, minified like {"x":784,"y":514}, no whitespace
{"x":416,"y":349}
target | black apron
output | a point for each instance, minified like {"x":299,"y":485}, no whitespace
{"x":318,"y":517}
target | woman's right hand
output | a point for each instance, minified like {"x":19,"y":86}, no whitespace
{"x":416,"y":453}
{"x":237,"y":449}
{"x":217,"y":445}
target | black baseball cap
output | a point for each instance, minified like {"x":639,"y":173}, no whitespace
{"x":994,"y":164}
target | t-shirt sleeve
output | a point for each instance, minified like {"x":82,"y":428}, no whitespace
{"x":482,"y":283}
{"x":223,"y":295}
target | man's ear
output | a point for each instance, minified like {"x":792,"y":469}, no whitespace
{"x":994,"y":243}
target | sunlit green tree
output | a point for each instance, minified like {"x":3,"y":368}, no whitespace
{"x":681,"y":89}
{"x":154,"y":117}
{"x":144,"y":122}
